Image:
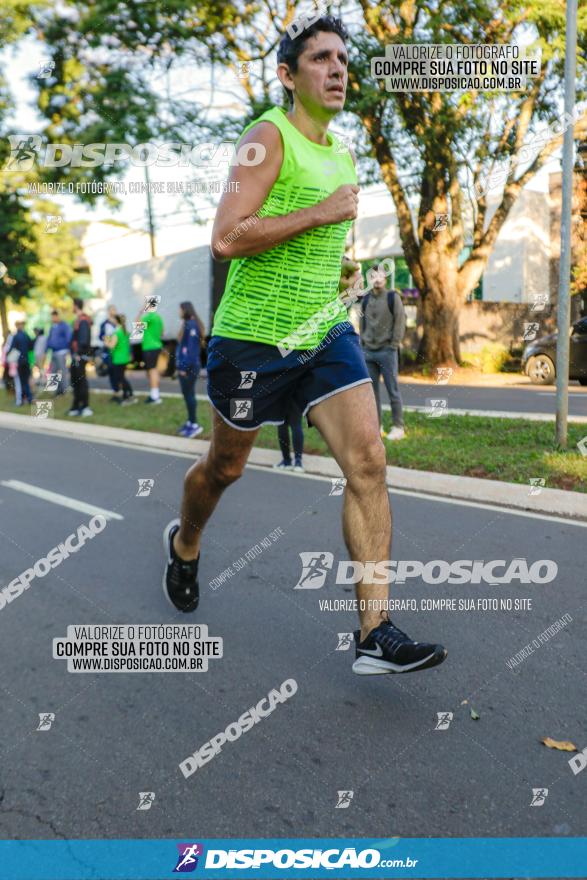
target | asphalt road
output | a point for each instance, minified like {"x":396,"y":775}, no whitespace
{"x":523,"y":399}
{"x":115,"y":735}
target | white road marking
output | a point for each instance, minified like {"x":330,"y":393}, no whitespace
{"x":56,"y":498}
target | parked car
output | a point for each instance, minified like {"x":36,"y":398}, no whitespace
{"x":539,"y":358}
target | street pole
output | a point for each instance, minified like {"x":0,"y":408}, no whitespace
{"x":564,"y":301}
{"x":150,"y":212}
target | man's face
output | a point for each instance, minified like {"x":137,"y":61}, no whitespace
{"x":55,"y":318}
{"x":379,"y":281}
{"x":321,"y":78}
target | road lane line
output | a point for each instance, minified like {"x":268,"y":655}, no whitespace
{"x":56,"y":498}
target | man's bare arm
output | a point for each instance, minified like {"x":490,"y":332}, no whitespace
{"x":240,"y":232}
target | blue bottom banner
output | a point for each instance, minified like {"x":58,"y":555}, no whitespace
{"x":414,"y":857}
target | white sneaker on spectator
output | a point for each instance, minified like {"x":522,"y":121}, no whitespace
{"x":396,"y":434}
{"x":86,"y":411}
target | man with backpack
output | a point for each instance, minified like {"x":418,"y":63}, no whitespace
{"x":383,"y":324}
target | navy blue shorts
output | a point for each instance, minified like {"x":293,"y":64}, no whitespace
{"x":250,"y":384}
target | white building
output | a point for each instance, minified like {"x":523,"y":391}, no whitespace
{"x":122,"y":269}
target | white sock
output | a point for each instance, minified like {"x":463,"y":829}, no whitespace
{"x":154,"y":394}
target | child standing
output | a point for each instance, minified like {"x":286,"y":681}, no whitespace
{"x":119,"y":345}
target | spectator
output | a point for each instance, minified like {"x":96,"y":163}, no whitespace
{"x":152,"y":345}
{"x":108,"y":328}
{"x":58,"y":343}
{"x":23,"y":344}
{"x":190,"y":342}
{"x":383,"y":325}
{"x":293,"y":421}
{"x":118,"y":343}
{"x":39,"y":352}
{"x":80,"y":354}
{"x":9,"y":369}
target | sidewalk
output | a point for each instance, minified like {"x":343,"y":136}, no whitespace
{"x":550,"y":502}
{"x":475,"y":378}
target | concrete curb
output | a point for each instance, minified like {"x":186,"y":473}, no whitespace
{"x":551,"y":502}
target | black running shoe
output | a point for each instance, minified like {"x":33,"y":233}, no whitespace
{"x":180,"y":579}
{"x":388,"y":649}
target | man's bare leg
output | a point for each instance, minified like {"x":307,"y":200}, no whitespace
{"x":207,"y":479}
{"x":153,"y":377}
{"x":349,"y":424}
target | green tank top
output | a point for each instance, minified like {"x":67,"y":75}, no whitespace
{"x":291,"y":290}
{"x":121,"y":351}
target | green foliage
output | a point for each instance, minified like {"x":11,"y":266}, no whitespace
{"x":41,"y":265}
{"x":17,"y":245}
{"x":492,"y":358}
{"x":58,"y":258}
{"x":16,"y":19}
{"x":113,"y":58}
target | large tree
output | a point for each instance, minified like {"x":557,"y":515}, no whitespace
{"x":17,"y":252}
{"x":456,"y":149}
{"x":432,"y":150}
{"x":17,"y":245}
{"x":38,"y":262}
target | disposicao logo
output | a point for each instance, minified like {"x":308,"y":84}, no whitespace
{"x":188,"y":857}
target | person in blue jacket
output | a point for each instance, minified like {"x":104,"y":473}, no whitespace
{"x":191,"y":340}
{"x":23,"y":343}
{"x":58,"y":343}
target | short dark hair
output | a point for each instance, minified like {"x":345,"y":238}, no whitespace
{"x":290,"y":48}
{"x":187,"y":310}
{"x":55,"y":312}
{"x":78,"y":303}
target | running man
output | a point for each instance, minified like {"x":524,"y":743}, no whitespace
{"x":281,"y":319}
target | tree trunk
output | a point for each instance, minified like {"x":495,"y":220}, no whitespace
{"x":440,"y":308}
{"x":3,"y":318}
{"x":439,"y":345}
